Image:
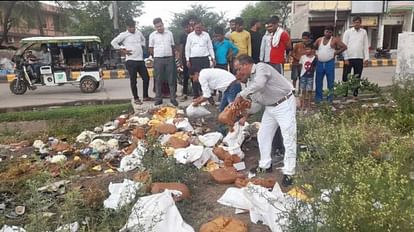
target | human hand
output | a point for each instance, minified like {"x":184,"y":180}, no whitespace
{"x":365,"y":63}
{"x":188,"y":64}
{"x":214,"y":62}
{"x":346,"y":62}
{"x":242,"y":120}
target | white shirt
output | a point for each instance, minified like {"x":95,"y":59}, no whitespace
{"x":162,"y":43}
{"x":265,"y":47}
{"x":130,"y":41}
{"x":214,"y":79}
{"x":306,"y":63}
{"x":357,"y":42}
{"x":198,"y":45}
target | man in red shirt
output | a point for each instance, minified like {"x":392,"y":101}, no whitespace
{"x":279,"y":43}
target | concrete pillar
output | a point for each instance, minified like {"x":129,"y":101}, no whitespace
{"x":380,"y":32}
{"x":405,"y":57}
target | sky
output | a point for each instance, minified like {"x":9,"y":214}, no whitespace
{"x":165,"y":9}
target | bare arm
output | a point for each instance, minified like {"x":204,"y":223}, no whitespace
{"x":340,"y":45}
{"x":316,"y":43}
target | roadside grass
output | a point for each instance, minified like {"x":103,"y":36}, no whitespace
{"x":65,"y":122}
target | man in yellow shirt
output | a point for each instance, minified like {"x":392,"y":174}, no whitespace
{"x":241,"y":38}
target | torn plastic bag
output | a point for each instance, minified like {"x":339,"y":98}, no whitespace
{"x":189,"y":154}
{"x":210,"y":139}
{"x":121,"y":193}
{"x":133,"y":160}
{"x":85,"y":137}
{"x":7,"y":228}
{"x":196,"y":111}
{"x":206,"y":156}
{"x":182,"y":124}
{"x":235,"y":138}
{"x":156,"y":213}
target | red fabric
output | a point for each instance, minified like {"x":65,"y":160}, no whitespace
{"x":277,"y":54}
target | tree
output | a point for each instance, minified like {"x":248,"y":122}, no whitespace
{"x":209,"y":18}
{"x":18,"y":12}
{"x":92,"y":17}
{"x":262,"y":11}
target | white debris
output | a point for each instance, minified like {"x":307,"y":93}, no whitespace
{"x":38,"y":144}
{"x":205,"y":157}
{"x":189,"y":154}
{"x":210,"y":139}
{"x":58,"y":159}
{"x":99,"y":145}
{"x":134,"y":160}
{"x":113,"y":144}
{"x":72,"y":227}
{"x":157,"y":213}
{"x":85,"y":137}
{"x":196,"y":111}
{"x":53,"y":187}
{"x":109,"y":127}
{"x":7,"y":228}
{"x":121,"y":194}
{"x":138,"y":120}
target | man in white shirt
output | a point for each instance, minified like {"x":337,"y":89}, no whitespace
{"x":357,"y":54}
{"x":265,"y":45}
{"x":197,"y":51}
{"x":133,"y":41}
{"x":218,"y":79}
{"x":162,"y":48}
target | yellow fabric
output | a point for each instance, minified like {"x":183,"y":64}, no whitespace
{"x":243,"y":42}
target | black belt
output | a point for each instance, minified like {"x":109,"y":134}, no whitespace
{"x":282,"y":99}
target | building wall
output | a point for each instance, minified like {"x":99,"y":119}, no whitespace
{"x":299,"y":18}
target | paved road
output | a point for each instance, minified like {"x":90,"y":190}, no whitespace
{"x":119,"y":90}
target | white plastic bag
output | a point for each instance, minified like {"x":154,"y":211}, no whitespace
{"x":132,"y":161}
{"x":206,"y":156}
{"x":188,"y":154}
{"x":121,"y":193}
{"x":157,"y":213}
{"x":7,"y":228}
{"x":196,"y":111}
{"x":210,"y":139}
{"x":235,"y":138}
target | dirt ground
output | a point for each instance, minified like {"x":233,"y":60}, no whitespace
{"x":201,"y":208}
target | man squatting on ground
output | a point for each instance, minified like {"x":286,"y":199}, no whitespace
{"x":269,"y":88}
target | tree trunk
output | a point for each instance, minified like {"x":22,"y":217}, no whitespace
{"x":6,"y":20}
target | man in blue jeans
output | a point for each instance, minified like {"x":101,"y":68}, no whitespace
{"x":218,"y":79}
{"x":327,"y":48}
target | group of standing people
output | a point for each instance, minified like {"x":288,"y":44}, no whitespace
{"x":247,"y":57}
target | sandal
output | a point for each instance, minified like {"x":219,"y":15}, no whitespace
{"x":137,"y":101}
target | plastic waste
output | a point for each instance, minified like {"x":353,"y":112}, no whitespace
{"x":121,"y":194}
{"x":196,"y":111}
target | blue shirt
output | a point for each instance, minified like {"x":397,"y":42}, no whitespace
{"x":221,"y":50}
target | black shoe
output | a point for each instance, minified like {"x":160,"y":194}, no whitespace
{"x":258,"y":169}
{"x":174,"y":102}
{"x":158,"y":102}
{"x":287,"y":180}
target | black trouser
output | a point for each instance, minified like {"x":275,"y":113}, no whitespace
{"x":164,"y":67}
{"x":221,"y":66}
{"x":186,"y":77}
{"x":278,"y":142}
{"x":197,"y":64}
{"x":134,"y":66}
{"x":357,"y":65}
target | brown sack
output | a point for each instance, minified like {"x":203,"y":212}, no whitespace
{"x":264,"y":182}
{"x":224,"y":224}
{"x":241,"y":182}
{"x":61,"y":147}
{"x":232,"y":111}
{"x":138,"y":133}
{"x":177,"y":143}
{"x":160,"y":187}
{"x":221,"y":153}
{"x":165,"y":128}
{"x":226,"y":175}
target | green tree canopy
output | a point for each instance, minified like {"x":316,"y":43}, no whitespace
{"x":208,"y":17}
{"x":92,"y":17}
{"x":263,"y":10}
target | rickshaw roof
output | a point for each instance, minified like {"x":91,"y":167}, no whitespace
{"x":61,"y":39}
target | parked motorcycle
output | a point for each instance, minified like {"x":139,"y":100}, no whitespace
{"x":382,"y":53}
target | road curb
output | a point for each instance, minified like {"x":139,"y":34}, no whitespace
{"x":123,"y":74}
{"x":69,"y":103}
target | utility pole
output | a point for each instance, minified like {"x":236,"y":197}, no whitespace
{"x":115,"y":18}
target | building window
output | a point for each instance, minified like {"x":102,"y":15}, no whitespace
{"x":57,"y":23}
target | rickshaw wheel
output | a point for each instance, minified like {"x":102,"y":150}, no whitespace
{"x":88,"y":85}
{"x":19,"y":89}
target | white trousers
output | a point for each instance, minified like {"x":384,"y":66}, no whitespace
{"x":283,"y":115}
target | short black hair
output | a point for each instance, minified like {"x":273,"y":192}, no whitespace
{"x":357,"y":18}
{"x":232,"y":20}
{"x":245,"y":59}
{"x":219,"y":30}
{"x":156,"y":20}
{"x":273,"y":20}
{"x":130,"y":22}
{"x":253,"y":22}
{"x":306,"y":33}
{"x":239,"y":21}
{"x":328,"y":28}
{"x":274,"y":17}
{"x":309,"y":45}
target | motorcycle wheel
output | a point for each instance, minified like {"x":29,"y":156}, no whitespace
{"x":19,"y":88}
